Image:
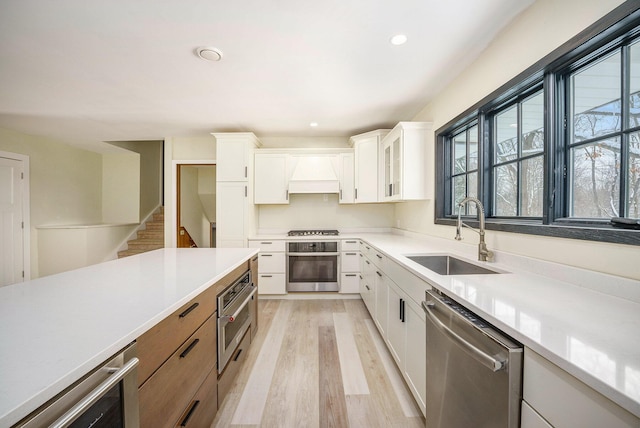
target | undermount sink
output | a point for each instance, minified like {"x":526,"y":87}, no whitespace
{"x":448,"y":265}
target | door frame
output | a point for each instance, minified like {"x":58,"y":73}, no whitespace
{"x":26,"y":211}
{"x":175,"y":196}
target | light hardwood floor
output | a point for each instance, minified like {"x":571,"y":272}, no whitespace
{"x":318,"y":363}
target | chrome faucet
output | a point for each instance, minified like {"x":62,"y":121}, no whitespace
{"x":483,"y":253}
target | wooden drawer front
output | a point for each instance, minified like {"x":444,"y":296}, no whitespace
{"x":226,"y":379}
{"x":271,"y":263}
{"x":268,"y":246}
{"x":202,"y":410}
{"x":350,"y":245}
{"x":272,"y":283}
{"x":157,"y":344}
{"x":166,"y":394}
{"x":350,"y":261}
{"x":566,"y":402}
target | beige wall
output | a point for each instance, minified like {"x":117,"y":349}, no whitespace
{"x":65,"y":183}
{"x":539,"y":30}
{"x":121,"y":188}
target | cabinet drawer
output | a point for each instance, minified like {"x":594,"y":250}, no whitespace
{"x":531,"y":419}
{"x":157,"y":344}
{"x":268,"y":246}
{"x":166,"y":394}
{"x":565,"y":401}
{"x":271,"y":263}
{"x":350,"y":245}
{"x":228,"y":376}
{"x":202,"y":409}
{"x":350,"y":261}
{"x":349,"y":283}
{"x":272,"y":283}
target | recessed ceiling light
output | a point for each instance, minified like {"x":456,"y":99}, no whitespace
{"x":398,"y":39}
{"x":313,"y":124}
{"x":209,"y":53}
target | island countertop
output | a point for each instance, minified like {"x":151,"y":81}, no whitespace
{"x":55,"y":329}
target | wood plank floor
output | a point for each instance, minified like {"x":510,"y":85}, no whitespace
{"x":318,"y":363}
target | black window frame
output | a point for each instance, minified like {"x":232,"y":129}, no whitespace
{"x":618,"y":27}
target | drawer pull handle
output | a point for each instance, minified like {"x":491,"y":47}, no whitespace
{"x":238,"y":354}
{"x":266,"y":255}
{"x":351,"y":242}
{"x":349,"y":274}
{"x":379,"y":274}
{"x":361,"y":277}
{"x":368,"y":262}
{"x":367,"y":287}
{"x":267,"y":243}
{"x":266,"y":276}
{"x":378,"y":256}
{"x":189,"y":309}
{"x":254,"y":259}
{"x":185,"y":421}
{"x":351,"y":254}
{"x":189,"y":348}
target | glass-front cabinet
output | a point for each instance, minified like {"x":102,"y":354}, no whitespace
{"x":405,"y":163}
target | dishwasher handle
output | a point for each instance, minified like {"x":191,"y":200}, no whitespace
{"x":482,"y":357}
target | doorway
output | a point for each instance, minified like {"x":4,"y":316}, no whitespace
{"x":196,"y":205}
{"x":14,"y":218}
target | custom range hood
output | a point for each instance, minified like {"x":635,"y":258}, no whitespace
{"x":314,"y":174}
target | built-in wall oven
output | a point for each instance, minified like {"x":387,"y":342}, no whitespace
{"x":235,"y":315}
{"x":313,"y":266}
{"x":107,"y":397}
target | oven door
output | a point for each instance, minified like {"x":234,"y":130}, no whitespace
{"x":107,"y":397}
{"x":312,"y":272}
{"x":233,"y":323}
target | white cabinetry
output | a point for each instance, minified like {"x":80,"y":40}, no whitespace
{"x":271,"y":179}
{"x":349,"y":266}
{"x":396,"y":311}
{"x":404,"y":162}
{"x":345,"y":175}
{"x":366,"y":165}
{"x":563,"y":401}
{"x":271,"y":266}
{"x":235,"y":214}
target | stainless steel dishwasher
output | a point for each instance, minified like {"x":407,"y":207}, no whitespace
{"x":474,"y":372}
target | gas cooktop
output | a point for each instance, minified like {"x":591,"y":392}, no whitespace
{"x":313,"y":232}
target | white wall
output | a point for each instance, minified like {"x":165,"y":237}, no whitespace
{"x":543,"y":27}
{"x":121,"y":188}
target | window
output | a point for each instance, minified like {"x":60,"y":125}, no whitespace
{"x":556,"y":151}
{"x":518,"y":155}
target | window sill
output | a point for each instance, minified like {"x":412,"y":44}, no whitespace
{"x":600,"y":232}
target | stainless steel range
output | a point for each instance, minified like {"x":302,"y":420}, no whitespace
{"x":313,"y":265}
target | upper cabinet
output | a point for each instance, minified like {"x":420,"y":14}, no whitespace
{"x":346,"y":178}
{"x":404,"y":162}
{"x":366,"y":164}
{"x":234,"y":153}
{"x":271,"y":179}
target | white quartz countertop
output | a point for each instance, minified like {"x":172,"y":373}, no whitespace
{"x":587,"y":323}
{"x":55,"y":329}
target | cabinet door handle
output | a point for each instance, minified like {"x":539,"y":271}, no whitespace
{"x":349,"y":274}
{"x":189,"y":309}
{"x":356,"y":196}
{"x":402,"y":310}
{"x":368,"y":262}
{"x":287,"y":195}
{"x":246,"y":169}
{"x":237,"y":355}
{"x":340,"y":194}
{"x":189,"y":348}
{"x":185,"y":421}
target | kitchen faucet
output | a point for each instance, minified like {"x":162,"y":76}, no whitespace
{"x":483,"y":253}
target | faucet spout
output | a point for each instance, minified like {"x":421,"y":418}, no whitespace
{"x":483,"y":253}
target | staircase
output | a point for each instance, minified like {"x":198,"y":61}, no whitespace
{"x":149,"y":238}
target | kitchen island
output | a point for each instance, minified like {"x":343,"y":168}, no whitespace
{"x":55,"y":329}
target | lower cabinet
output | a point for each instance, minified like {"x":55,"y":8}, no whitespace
{"x":228,"y":376}
{"x":202,"y":410}
{"x":367,"y":284}
{"x":553,"y":396}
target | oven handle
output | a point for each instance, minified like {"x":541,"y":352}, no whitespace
{"x":96,"y":394}
{"x":232,"y":317}
{"x":314,"y":254}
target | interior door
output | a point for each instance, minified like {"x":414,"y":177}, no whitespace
{"x":11,"y":221}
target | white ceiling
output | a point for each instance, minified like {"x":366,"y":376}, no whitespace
{"x":90,"y":71}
